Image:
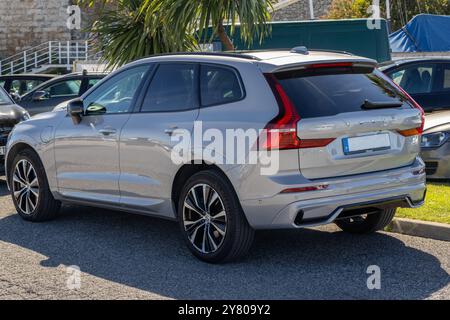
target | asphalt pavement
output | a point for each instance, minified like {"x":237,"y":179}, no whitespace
{"x":123,"y":256}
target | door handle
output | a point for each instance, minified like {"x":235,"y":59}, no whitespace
{"x":107,"y":131}
{"x":170,"y":130}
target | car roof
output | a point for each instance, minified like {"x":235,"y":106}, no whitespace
{"x":411,"y":60}
{"x":28,"y":75}
{"x":268,"y":60}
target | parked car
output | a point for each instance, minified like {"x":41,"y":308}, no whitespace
{"x":428,"y":82}
{"x":10,"y":115}
{"x":436,"y":145}
{"x":18,"y":85}
{"x":48,"y":95}
{"x":346,"y":136}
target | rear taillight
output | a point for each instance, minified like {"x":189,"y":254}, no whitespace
{"x":414,"y":131}
{"x":281,"y":132}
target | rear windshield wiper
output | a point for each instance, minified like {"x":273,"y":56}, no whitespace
{"x":369,"y":105}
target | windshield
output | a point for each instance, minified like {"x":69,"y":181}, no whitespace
{"x":4,"y":98}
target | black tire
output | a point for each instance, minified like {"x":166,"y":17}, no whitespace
{"x":47,"y":207}
{"x":371,"y":223}
{"x":239,"y":235}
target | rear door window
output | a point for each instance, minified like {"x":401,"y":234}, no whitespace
{"x":416,"y":79}
{"x":327,"y":94}
{"x":173,"y":88}
{"x":219,"y":85}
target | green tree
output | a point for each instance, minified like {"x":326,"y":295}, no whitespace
{"x":401,"y":10}
{"x":123,"y":35}
{"x":200,"y":15}
{"x":125,"y":30}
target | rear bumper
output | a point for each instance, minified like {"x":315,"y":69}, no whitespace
{"x":403,"y":187}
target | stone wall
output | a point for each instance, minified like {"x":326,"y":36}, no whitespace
{"x":299,"y":10}
{"x":27,"y":23}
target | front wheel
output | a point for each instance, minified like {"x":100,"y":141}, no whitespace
{"x":211,"y":219}
{"x":367,"y":223}
{"x":29,"y":188}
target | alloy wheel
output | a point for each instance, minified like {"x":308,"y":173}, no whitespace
{"x":25,"y":187}
{"x":204,"y":218}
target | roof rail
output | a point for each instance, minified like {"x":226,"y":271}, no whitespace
{"x":333,"y":51}
{"x":201,"y":53}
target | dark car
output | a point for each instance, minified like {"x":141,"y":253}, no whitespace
{"x":20,"y":84}
{"x":10,"y":115}
{"x":436,"y":145}
{"x":51,"y":93}
{"x":426,"y":80}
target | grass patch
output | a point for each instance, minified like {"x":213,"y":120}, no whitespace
{"x":436,"y":208}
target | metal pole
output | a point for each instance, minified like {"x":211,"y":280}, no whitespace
{"x":24,"y":61}
{"x":311,"y":9}
{"x":49,"y":52}
{"x":388,"y":15}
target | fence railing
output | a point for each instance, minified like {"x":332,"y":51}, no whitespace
{"x":52,"y":53}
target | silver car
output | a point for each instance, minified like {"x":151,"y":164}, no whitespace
{"x":347,"y":141}
{"x":436,"y":145}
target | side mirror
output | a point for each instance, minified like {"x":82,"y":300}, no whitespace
{"x":40,"y":96}
{"x":75,"y":109}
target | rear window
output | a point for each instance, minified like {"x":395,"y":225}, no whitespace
{"x":324,"y":93}
{"x":4,"y":98}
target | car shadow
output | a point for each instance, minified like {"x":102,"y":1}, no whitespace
{"x":149,"y":254}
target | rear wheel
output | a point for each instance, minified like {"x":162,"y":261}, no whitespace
{"x":367,"y":223}
{"x":211,"y":219}
{"x":29,"y":188}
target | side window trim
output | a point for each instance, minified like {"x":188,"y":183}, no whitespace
{"x":135,"y":100}
{"x":223,"y":66}
{"x":146,"y":87}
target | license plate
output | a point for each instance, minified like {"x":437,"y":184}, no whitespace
{"x":2,"y":151}
{"x":375,"y":142}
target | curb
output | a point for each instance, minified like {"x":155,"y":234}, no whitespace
{"x":425,"y":229}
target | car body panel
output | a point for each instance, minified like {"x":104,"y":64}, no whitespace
{"x":132,"y":169}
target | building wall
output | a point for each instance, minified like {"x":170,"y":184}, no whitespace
{"x":27,"y":23}
{"x":299,"y":10}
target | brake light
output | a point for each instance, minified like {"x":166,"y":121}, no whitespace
{"x":281,"y":132}
{"x":331,"y":65}
{"x":418,"y":130}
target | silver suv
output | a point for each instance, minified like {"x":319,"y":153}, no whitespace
{"x":345,"y":136}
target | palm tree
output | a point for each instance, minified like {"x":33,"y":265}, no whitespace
{"x":123,"y":35}
{"x":200,"y":15}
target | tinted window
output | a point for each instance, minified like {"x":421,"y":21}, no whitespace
{"x":69,"y":88}
{"x":92,"y":82}
{"x":173,"y":88}
{"x":22,"y":87}
{"x":330,"y":94}
{"x":446,"y":80}
{"x":4,"y":98}
{"x":219,"y":85}
{"x":115,"y":95}
{"x":415,"y":79}
{"x":2,"y":83}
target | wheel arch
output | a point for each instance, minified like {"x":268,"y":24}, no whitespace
{"x":14,"y":150}
{"x":185,"y":172}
